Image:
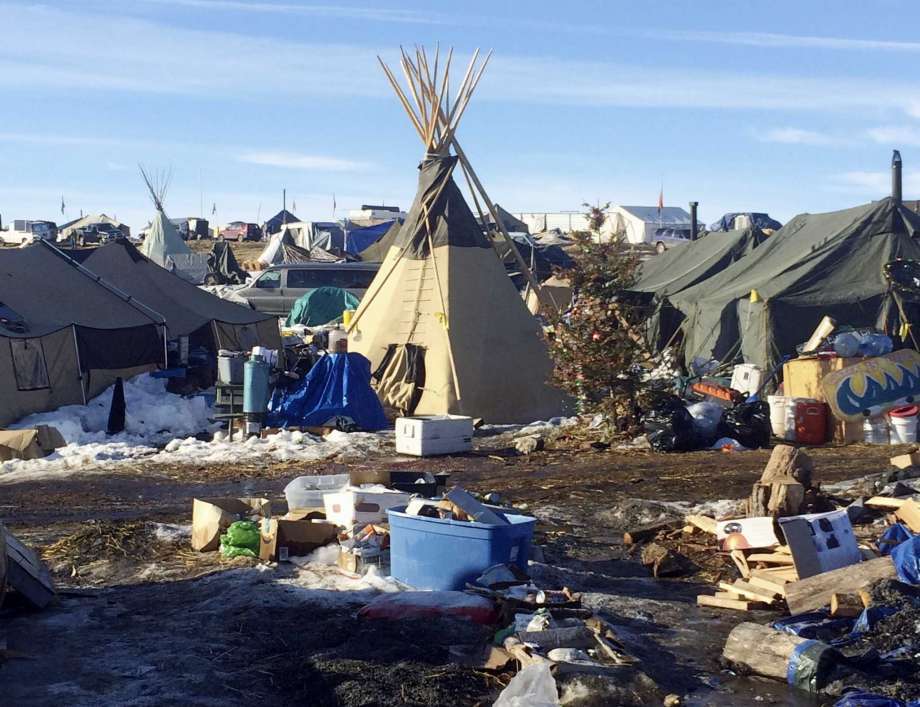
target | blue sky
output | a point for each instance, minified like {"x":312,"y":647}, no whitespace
{"x":782,"y":106}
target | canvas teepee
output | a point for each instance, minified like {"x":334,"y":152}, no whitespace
{"x":443,"y":325}
{"x":163,"y":245}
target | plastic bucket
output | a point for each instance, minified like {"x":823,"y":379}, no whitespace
{"x":875,"y":430}
{"x":904,"y":424}
{"x":431,"y":553}
{"x":230,"y":367}
{"x":777,"y":414}
{"x":347,"y":316}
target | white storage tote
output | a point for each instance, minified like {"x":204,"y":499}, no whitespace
{"x":747,"y":378}
{"x":425,"y":435}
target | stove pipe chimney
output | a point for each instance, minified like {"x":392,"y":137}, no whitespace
{"x":896,"y":177}
{"x":694,"y":224}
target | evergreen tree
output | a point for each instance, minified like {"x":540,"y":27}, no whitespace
{"x":596,"y":354}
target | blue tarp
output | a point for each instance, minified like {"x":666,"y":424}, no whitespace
{"x":358,"y":239}
{"x":761,"y":221}
{"x":867,"y":699}
{"x":906,"y":558}
{"x":338,"y":385}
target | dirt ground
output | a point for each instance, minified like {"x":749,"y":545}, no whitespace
{"x":172,"y":629}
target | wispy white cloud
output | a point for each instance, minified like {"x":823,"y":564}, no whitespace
{"x":796,"y":136}
{"x":184,"y":62}
{"x":872,"y":184}
{"x":294,"y":160}
{"x":373,"y":14}
{"x":776,"y":41}
{"x":896,"y":135}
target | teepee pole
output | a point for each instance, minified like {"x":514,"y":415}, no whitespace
{"x":402,"y":98}
{"x":422,"y":107}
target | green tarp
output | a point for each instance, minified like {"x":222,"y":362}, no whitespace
{"x":321,"y":306}
{"x":816,"y":265}
{"x":681,"y":267}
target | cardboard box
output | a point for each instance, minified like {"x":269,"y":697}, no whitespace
{"x":905,"y":461}
{"x":360,"y":506}
{"x":820,"y":542}
{"x":473,"y":508}
{"x":212,"y":516}
{"x":283,"y":539}
{"x":909,"y":514}
{"x":358,"y":559}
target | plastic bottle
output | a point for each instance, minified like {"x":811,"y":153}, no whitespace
{"x":875,"y":430}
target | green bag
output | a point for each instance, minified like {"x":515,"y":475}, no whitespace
{"x":242,"y":539}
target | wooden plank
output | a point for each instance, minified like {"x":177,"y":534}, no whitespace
{"x":728,"y":595}
{"x":815,"y":592}
{"x":26,"y":573}
{"x":749,"y":591}
{"x":909,"y":514}
{"x":741,"y":563}
{"x":785,"y":572}
{"x":719,"y":603}
{"x":846,"y":605}
{"x":704,"y":523}
{"x":777,"y":586}
{"x":885,"y":502}
{"x":772,"y":558}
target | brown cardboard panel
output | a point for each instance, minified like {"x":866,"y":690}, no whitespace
{"x":212,"y":516}
{"x":293,"y":538}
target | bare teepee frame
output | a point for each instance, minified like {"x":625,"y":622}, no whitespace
{"x":435,"y":118}
{"x":157,"y":184}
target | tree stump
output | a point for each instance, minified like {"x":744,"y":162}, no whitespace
{"x":788,"y":463}
{"x":778,"y":499}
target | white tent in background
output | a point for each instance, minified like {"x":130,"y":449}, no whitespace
{"x":442,"y":323}
{"x":163,"y":245}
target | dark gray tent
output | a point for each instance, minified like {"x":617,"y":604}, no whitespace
{"x":816,"y":265}
{"x":278,"y":221}
{"x":511,"y":223}
{"x":64,"y":334}
{"x":677,"y":269}
{"x":188,"y":310}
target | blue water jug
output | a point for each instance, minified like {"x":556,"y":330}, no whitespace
{"x":255,"y":384}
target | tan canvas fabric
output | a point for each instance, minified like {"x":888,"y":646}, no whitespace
{"x":29,"y":444}
{"x":396,"y":387}
{"x":484,"y":353}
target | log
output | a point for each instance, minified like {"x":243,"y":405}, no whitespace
{"x":788,"y":463}
{"x":661,"y":561}
{"x":786,"y":498}
{"x":865,"y":598}
{"x":649,"y":531}
{"x":846,"y":605}
{"x":815,"y":592}
{"x":760,"y":649}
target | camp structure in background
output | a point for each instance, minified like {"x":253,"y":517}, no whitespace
{"x":163,"y":244}
{"x":282,"y":250}
{"x":188,"y":310}
{"x":658,"y":226}
{"x":442,"y":324}
{"x":68,"y":230}
{"x":672,"y":272}
{"x":360,"y":238}
{"x":511,"y":223}
{"x":223,"y":268}
{"x":740,"y":220}
{"x":817,"y":265}
{"x":278,"y":222}
{"x":377,"y":251}
{"x":66,"y":334}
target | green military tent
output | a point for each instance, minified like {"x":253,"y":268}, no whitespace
{"x":65,"y":333}
{"x":679,"y":268}
{"x":816,"y":265}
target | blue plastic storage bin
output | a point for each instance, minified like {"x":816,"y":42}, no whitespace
{"x":430,"y":553}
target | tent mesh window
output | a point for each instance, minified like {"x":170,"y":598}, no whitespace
{"x":29,"y":365}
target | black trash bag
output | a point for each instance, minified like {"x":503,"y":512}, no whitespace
{"x":669,"y":426}
{"x":116,"y":421}
{"x":747,"y":423}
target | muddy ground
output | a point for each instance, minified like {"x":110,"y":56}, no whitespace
{"x":210,"y":633}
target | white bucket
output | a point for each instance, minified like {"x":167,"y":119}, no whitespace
{"x":875,"y":430}
{"x":903,"y":429}
{"x":778,"y":414}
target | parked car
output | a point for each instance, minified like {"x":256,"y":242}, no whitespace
{"x":241,"y":231}
{"x":23,"y":231}
{"x":194,"y":229}
{"x":278,"y":287}
{"x":100,"y":233}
